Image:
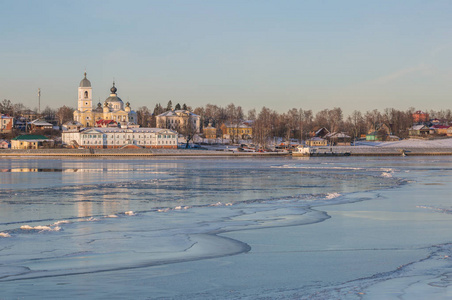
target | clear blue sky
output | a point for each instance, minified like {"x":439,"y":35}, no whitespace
{"x":279,"y":54}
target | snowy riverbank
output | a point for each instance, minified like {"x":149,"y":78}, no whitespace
{"x":395,"y":148}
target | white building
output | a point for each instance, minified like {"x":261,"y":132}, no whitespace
{"x":179,"y":120}
{"x":111,"y":137}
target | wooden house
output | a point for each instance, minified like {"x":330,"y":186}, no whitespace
{"x":419,"y":130}
{"x":316,"y":142}
{"x":339,"y":139}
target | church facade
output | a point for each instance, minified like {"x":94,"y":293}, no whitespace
{"x":112,"y":109}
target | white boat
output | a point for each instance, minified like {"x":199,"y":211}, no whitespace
{"x":302,"y":151}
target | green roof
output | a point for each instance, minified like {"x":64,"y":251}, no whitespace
{"x":30,"y":137}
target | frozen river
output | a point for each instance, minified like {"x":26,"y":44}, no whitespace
{"x":226,"y":228}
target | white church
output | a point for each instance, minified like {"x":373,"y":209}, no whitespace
{"x":112,"y":109}
{"x":83,"y":132}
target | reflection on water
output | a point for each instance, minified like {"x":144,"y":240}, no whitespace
{"x":30,"y":170}
{"x":91,"y":170}
{"x":124,"y":215}
{"x":61,"y":189}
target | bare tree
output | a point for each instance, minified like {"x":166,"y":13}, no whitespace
{"x":64,"y":114}
{"x":17,"y":109}
{"x":373,"y":119}
{"x":251,"y":114}
{"x":263,"y":127}
{"x":144,"y":116}
{"x":6,"y":107}
{"x":49,"y":114}
{"x":305,"y":123}
{"x":188,"y":129}
{"x":355,"y":124}
{"x":321,"y":119}
{"x":334,"y":119}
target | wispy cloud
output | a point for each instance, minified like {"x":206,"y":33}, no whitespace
{"x":421,"y":68}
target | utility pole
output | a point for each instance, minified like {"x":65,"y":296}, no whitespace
{"x":39,"y":101}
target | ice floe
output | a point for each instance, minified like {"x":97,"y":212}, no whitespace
{"x":40,"y":228}
{"x":332,"y":195}
{"x":386,"y":174}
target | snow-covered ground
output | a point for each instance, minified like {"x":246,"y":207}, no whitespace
{"x":410,"y":143}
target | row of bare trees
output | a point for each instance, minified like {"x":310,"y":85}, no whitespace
{"x":267,"y":123}
{"x":18,"y":110}
{"x":299,"y":124}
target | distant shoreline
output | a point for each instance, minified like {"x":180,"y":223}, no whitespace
{"x":354,"y":151}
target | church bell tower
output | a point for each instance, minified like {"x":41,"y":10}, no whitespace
{"x":85,"y":95}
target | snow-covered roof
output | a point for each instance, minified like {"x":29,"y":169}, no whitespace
{"x":241,"y":125}
{"x":38,"y":122}
{"x":73,"y":123}
{"x":127,"y":130}
{"x":340,"y":135}
{"x":319,"y":130}
{"x":418,"y":127}
{"x":177,"y":113}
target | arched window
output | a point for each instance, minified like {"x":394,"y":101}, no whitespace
{"x":86,"y":94}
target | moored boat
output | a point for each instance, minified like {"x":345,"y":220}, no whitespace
{"x":302,"y":151}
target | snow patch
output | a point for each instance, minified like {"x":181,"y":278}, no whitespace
{"x":61,"y":222}
{"x":40,"y":228}
{"x":332,"y":195}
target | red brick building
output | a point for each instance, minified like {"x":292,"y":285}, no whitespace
{"x":420,"y":117}
{"x":6,"y":124}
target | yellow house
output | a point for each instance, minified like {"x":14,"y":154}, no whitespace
{"x":210,"y":132}
{"x":31,"y":141}
{"x":241,"y":131}
{"x":316,"y":141}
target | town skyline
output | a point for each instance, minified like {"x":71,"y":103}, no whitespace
{"x":357,"y":56}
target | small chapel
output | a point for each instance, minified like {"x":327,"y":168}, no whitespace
{"x":112,"y":109}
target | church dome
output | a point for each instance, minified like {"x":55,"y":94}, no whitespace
{"x":85,"y":82}
{"x":113,"y":96}
{"x":113,"y":99}
{"x":114,"y":102}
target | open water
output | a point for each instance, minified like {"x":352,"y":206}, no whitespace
{"x":226,"y":228}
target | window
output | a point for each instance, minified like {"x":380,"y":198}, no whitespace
{"x":86,"y":96}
